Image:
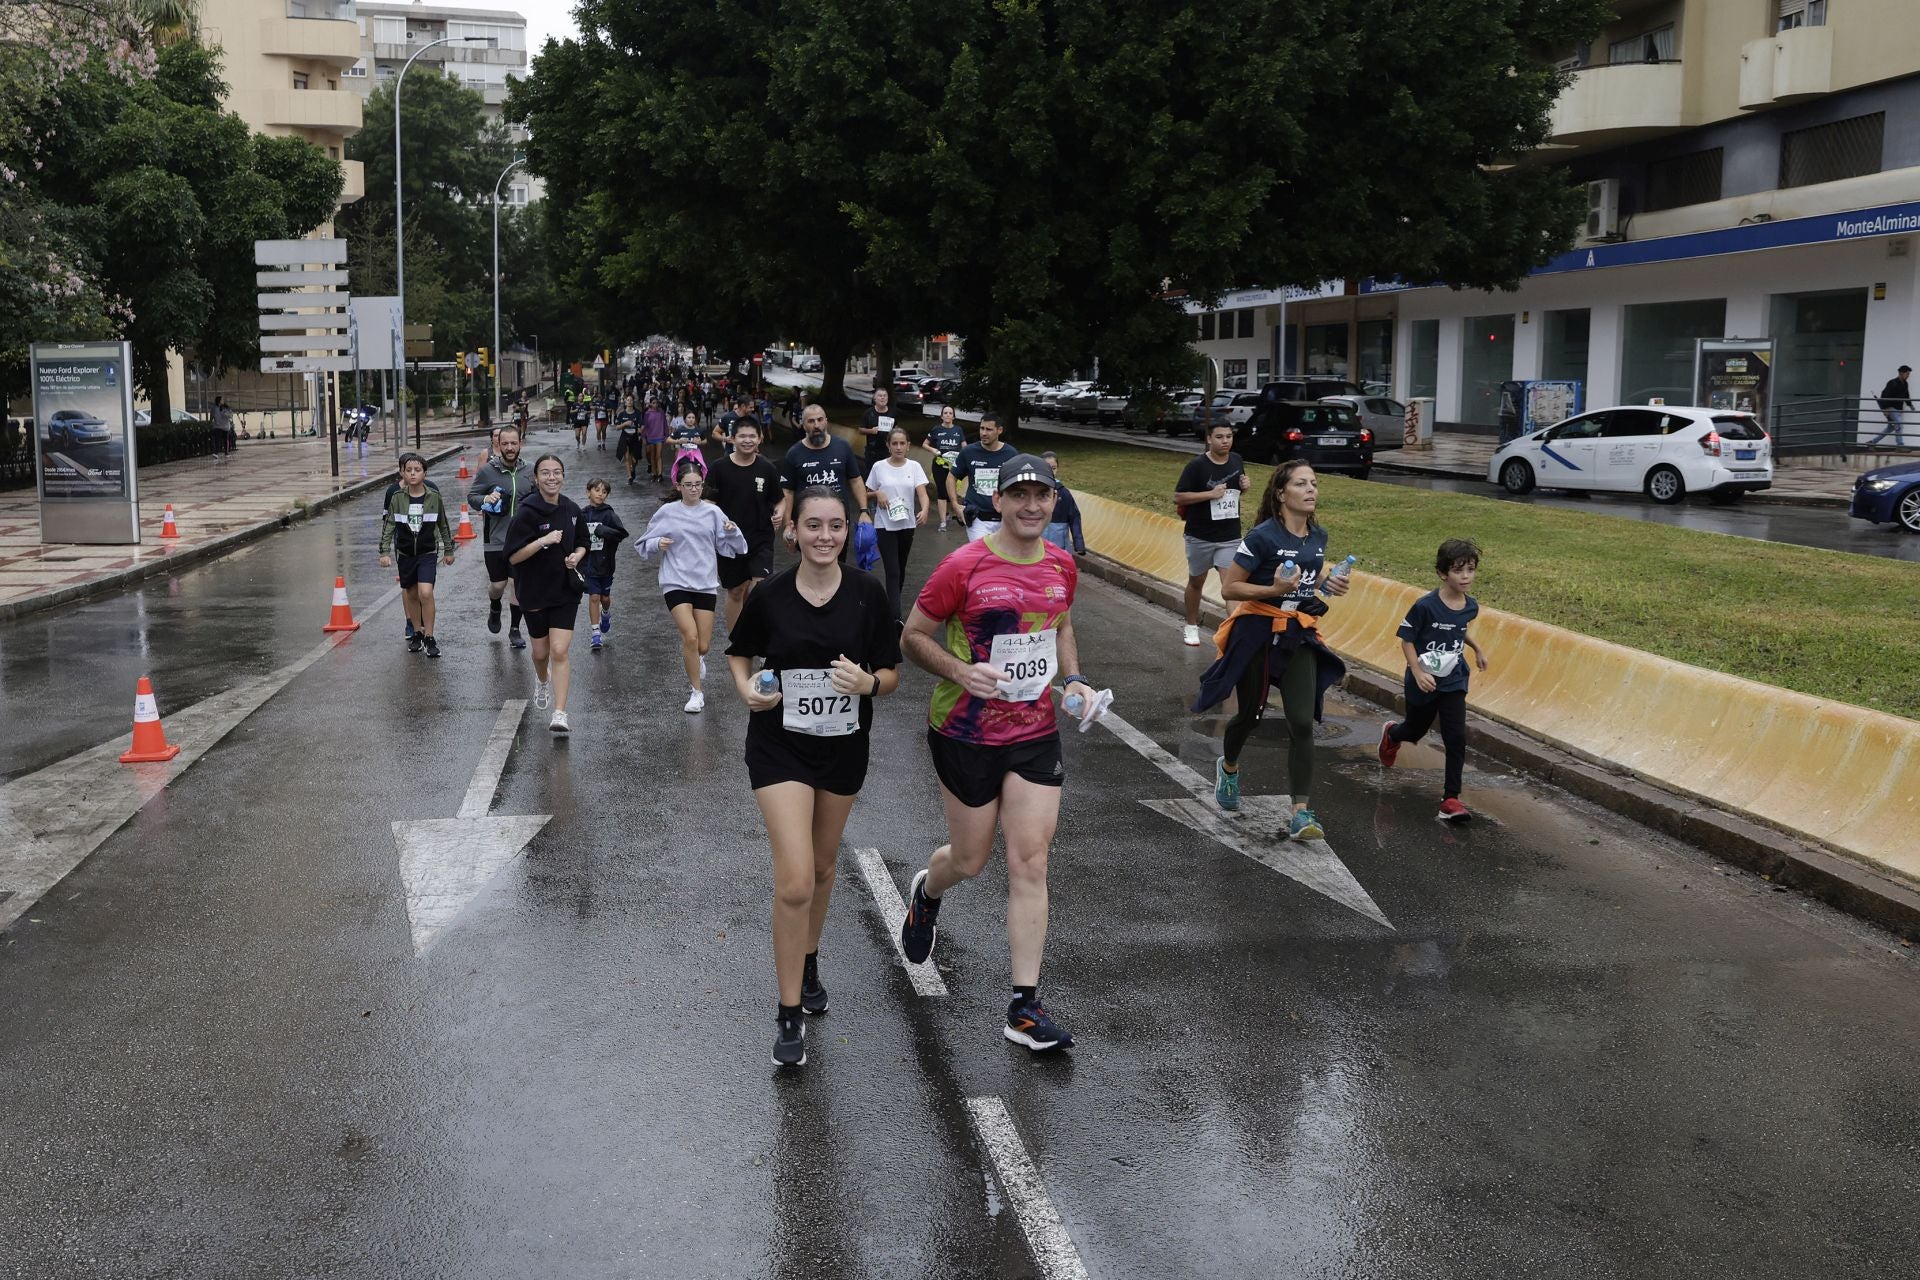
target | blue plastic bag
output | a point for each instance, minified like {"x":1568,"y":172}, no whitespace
{"x":866,"y":546}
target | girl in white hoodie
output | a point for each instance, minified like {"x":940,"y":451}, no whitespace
{"x":688,"y":536}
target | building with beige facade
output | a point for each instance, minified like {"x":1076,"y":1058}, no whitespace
{"x":1751,"y":169}
{"x":285,"y":63}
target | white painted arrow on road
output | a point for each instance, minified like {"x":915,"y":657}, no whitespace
{"x":446,"y":862}
{"x":1251,"y":831}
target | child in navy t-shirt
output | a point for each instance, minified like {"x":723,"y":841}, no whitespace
{"x":1434,"y":639}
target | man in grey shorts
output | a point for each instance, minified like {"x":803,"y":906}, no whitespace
{"x":1208,"y":498}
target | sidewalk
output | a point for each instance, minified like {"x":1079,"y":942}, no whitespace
{"x":216,"y":505}
{"x":1466,"y":457}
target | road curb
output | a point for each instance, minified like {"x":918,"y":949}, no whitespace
{"x":232,"y":540}
{"x":1778,"y":858}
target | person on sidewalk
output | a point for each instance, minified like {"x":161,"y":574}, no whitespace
{"x":1895,"y":399}
{"x":1434,"y":639}
{"x":416,"y":524}
{"x":1207,"y":496}
{"x":498,"y":487}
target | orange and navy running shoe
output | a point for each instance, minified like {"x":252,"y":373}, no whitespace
{"x":1029,"y":1023}
{"x":920,"y":929}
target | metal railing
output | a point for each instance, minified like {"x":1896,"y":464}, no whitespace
{"x":1837,"y":424}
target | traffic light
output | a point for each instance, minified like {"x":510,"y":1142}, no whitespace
{"x":460,"y":363}
{"x":486,"y":361}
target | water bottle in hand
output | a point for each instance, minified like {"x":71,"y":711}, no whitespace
{"x":766,"y":683}
{"x":1345,"y":567}
{"x":1075,"y":705}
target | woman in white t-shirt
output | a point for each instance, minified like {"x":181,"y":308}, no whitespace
{"x":899,"y":489}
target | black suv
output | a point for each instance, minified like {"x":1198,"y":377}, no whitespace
{"x":1329,"y":436}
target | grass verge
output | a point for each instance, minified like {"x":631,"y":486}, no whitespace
{"x":1821,"y":622}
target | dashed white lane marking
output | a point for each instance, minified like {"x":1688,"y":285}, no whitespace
{"x":1253,"y":831}
{"x":1052,"y":1247}
{"x":446,"y":862}
{"x":53,"y":819}
{"x":886,"y":896}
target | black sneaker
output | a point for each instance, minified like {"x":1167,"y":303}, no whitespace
{"x":813,"y":992}
{"x":920,"y":929}
{"x":413,"y":643}
{"x":1029,"y":1023}
{"x":515,"y":639}
{"x":493,"y":617}
{"x":790,"y":1043}
{"x":433,"y":647}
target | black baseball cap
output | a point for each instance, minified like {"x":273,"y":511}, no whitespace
{"x":1024,"y":467}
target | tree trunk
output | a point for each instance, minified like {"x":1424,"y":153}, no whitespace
{"x":150,"y":373}
{"x":834,"y":354}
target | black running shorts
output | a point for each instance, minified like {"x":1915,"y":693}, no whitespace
{"x":497,"y":568}
{"x":703,"y":601}
{"x":736,"y":571}
{"x":559,"y":617}
{"x":974,"y":773}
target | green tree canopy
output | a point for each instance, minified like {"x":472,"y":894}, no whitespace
{"x":1038,"y":174}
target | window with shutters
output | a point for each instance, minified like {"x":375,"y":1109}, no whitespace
{"x":1693,"y":178}
{"x":389,"y":30}
{"x":1802,"y":13}
{"x":1829,"y":152}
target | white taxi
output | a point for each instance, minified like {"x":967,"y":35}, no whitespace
{"x":1663,"y":451}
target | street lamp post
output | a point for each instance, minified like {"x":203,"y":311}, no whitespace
{"x":496,"y":268}
{"x":399,"y":220}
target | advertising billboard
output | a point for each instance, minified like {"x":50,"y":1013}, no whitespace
{"x":83,"y":442}
{"x":1734,"y":373}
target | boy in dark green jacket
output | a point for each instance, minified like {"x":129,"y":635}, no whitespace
{"x":416,"y":520}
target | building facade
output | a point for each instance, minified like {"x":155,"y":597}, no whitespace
{"x":1752,"y":170}
{"x":286,"y":64}
{"x":390,"y":33}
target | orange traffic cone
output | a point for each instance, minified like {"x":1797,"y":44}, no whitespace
{"x":167,"y":529}
{"x":342,"y":616}
{"x":464,"y":474}
{"x":150,"y":743}
{"x":465,"y":532}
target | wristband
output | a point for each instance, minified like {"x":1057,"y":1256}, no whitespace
{"x":1076,"y":676}
{"x":876,"y":684}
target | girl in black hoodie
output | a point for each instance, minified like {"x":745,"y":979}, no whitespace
{"x":545,"y":544}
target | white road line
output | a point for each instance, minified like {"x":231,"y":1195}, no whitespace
{"x":886,"y":896}
{"x":53,"y":819}
{"x":1053,"y":1251}
{"x":493,"y":760}
{"x":1249,"y":832}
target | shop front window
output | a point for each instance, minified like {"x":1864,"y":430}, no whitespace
{"x":1374,"y":369}
{"x":1486,"y":361}
{"x":1327,"y":350}
{"x":1564,"y":358}
{"x":1423,"y":359}
{"x":1657,"y":357}
{"x":1233,"y":375}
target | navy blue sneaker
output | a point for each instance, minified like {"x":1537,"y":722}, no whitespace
{"x":515,"y":639}
{"x":921,"y":928}
{"x":813,"y":992}
{"x":1029,"y":1023}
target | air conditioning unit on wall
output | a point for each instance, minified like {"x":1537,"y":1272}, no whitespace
{"x":1603,"y":209}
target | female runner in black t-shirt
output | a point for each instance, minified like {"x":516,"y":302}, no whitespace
{"x":827,"y":634}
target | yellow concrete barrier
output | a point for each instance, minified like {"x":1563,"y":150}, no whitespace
{"x":1838,"y":775}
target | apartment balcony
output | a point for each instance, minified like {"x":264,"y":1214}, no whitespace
{"x":316,"y":39}
{"x":1789,"y":66}
{"x":334,"y":110}
{"x":355,"y":185}
{"x":387,"y":51}
{"x":1619,"y":102}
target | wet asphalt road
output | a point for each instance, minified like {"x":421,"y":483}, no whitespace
{"x":1582,"y":1050}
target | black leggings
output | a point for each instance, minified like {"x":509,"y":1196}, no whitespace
{"x":895,"y":546}
{"x":1451,"y":710}
{"x":1299,"y":689}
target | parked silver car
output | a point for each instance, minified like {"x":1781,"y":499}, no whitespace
{"x":1385,"y":417}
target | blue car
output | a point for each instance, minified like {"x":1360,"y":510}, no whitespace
{"x":1889,"y":495}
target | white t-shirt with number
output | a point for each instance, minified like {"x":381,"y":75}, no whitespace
{"x":894,"y":488}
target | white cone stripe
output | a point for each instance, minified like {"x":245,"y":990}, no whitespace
{"x":145,"y":708}
{"x":339,"y":595}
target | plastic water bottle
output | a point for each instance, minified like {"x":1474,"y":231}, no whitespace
{"x":766,"y":682}
{"x":1075,"y":705}
{"x":1345,"y":567}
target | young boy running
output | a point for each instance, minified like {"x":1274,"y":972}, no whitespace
{"x":1434,"y":639}
{"x":416,"y":521}
{"x":994,"y":622}
{"x":605,"y":533}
